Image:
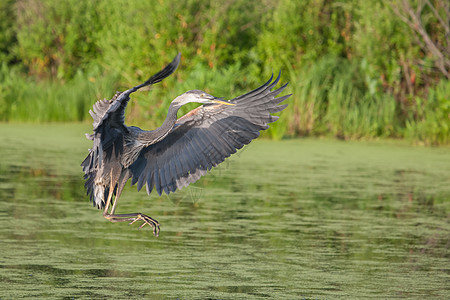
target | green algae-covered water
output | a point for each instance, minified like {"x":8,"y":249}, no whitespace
{"x":296,"y":219}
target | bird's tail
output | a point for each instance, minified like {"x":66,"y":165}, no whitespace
{"x":99,"y":196}
{"x":96,"y":192}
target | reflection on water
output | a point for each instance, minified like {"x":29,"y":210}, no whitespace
{"x":303,"y":219}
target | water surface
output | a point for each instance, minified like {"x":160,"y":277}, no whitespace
{"x":297,"y":219}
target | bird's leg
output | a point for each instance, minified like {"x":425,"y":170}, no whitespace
{"x":111,"y":191}
{"x":119,"y":191}
{"x":133,"y":217}
{"x":108,"y":202}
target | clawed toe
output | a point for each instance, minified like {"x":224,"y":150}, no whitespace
{"x":136,"y":217}
{"x":147,"y":221}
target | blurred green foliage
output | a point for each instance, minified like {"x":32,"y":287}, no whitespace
{"x":355,"y":68}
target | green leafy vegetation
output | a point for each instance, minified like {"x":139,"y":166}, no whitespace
{"x":357,"y":69}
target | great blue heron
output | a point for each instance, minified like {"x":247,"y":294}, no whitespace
{"x":177,"y":153}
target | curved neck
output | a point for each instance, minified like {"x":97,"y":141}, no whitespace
{"x":151,"y":137}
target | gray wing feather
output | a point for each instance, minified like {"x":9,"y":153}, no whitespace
{"x":113,"y":111}
{"x":204,"y":138}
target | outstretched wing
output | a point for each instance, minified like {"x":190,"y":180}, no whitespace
{"x":109,"y":118}
{"x":112,"y":112}
{"x":204,"y":137}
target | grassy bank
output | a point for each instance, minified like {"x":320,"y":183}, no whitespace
{"x":327,"y":101}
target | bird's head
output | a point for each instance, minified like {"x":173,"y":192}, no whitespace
{"x":199,"y":97}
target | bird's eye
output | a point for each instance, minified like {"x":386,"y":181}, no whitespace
{"x":203,"y":95}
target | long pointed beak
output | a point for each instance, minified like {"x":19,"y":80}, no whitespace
{"x":220,"y":101}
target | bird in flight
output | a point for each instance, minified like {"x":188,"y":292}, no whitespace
{"x":177,"y":153}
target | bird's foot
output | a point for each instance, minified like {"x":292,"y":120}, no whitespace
{"x":147,"y":221}
{"x":133,"y":218}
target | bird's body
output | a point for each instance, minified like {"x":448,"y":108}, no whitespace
{"x":177,"y":153}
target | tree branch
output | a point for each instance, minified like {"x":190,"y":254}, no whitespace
{"x":414,"y":21}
